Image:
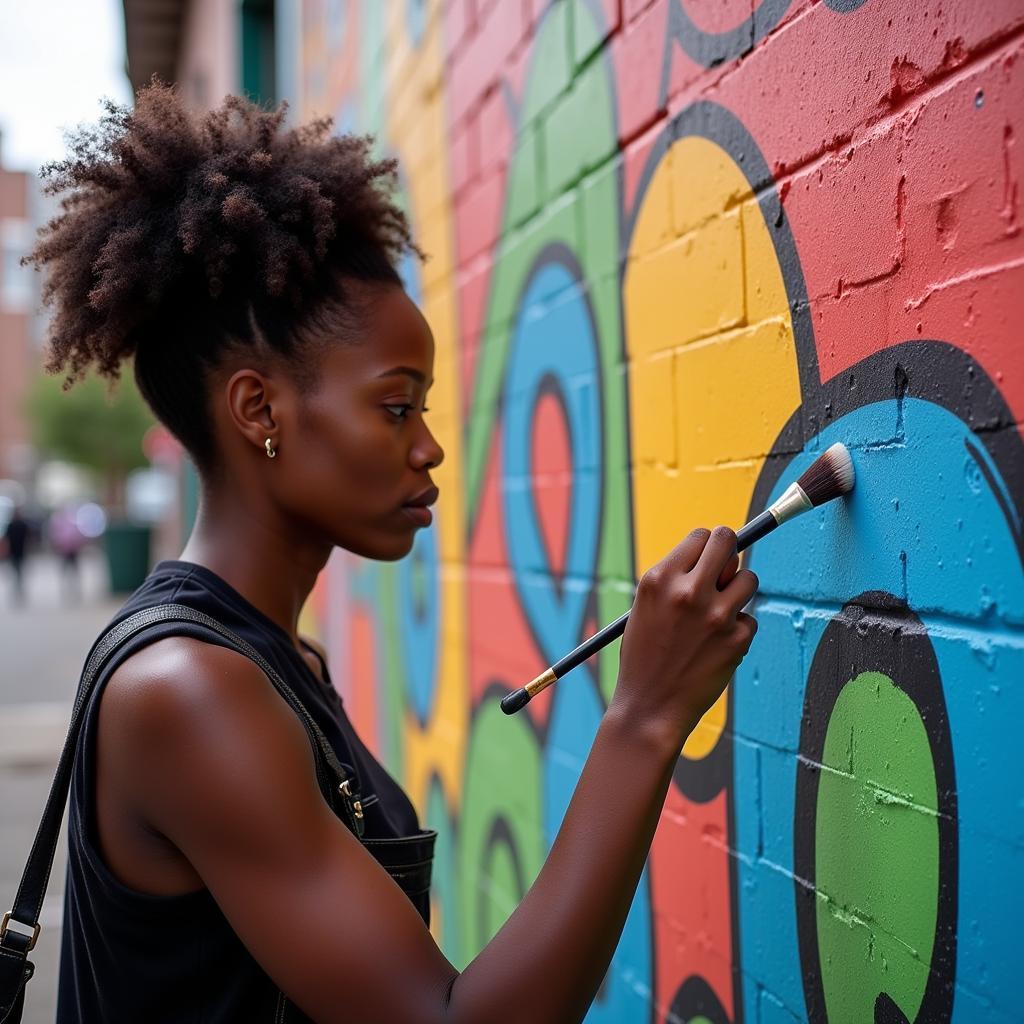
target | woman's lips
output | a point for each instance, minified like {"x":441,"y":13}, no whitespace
{"x":419,"y":514}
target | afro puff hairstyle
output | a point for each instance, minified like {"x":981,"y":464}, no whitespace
{"x":184,"y":236}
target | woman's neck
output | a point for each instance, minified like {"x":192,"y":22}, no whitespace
{"x":270,"y":569}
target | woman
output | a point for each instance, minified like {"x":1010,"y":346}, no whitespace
{"x":250,"y":273}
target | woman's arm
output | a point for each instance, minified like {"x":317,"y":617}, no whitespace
{"x":547,"y":961}
{"x":212,"y":758}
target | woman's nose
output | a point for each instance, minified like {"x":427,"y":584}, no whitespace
{"x":427,"y":453}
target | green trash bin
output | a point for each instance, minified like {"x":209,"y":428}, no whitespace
{"x":126,"y":545}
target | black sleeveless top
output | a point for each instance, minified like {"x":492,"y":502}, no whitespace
{"x":129,"y":957}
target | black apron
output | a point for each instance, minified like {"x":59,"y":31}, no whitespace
{"x":129,"y":956}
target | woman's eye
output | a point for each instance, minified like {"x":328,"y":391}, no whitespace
{"x":400,"y":412}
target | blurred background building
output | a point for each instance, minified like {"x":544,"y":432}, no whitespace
{"x":19,"y":321}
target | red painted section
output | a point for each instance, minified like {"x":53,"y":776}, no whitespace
{"x":551,"y":470}
{"x":501,"y":645}
{"x":635,"y":52}
{"x":717,"y":16}
{"x":894,"y":156}
{"x":689,"y":869}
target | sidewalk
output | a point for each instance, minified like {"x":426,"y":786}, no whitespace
{"x":44,"y":645}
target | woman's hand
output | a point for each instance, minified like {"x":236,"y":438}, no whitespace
{"x":686,"y":634}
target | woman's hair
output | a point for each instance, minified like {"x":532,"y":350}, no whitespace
{"x":183,"y":237}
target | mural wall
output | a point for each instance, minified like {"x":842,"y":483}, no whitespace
{"x":677,"y":248}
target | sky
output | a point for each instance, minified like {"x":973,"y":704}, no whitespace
{"x":58,"y":59}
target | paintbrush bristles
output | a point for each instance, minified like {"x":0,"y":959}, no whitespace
{"x":830,"y":475}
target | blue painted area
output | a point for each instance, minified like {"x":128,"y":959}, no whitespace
{"x":419,"y":620}
{"x":337,"y":24}
{"x":552,"y":341}
{"x":410,"y":271}
{"x":554,"y":345}
{"x":922,"y":525}
{"x":416,"y":19}
{"x":345,"y":118}
{"x":574,"y":721}
{"x":287,"y":52}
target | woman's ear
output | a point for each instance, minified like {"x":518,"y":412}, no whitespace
{"x":250,"y":397}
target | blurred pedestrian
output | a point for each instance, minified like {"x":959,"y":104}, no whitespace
{"x":67,"y":541}
{"x":16,"y":546}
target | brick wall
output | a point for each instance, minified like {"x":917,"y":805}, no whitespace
{"x":677,"y":247}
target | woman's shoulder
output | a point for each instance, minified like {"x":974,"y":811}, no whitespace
{"x":180,"y":703}
{"x":173,"y":682}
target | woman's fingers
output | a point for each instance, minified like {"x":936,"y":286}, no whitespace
{"x":728,"y":572}
{"x":715,"y":557}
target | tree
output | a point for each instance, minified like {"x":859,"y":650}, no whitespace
{"x":95,"y":425}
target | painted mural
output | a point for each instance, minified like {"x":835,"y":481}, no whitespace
{"x":676,"y":249}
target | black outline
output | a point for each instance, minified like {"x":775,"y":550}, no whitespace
{"x":844,"y":6}
{"x":695,"y":996}
{"x":876,"y":632}
{"x":710,"y":49}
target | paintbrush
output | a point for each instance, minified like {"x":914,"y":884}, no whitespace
{"x":828,"y":477}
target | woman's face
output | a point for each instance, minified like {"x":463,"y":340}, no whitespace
{"x":360,"y":449}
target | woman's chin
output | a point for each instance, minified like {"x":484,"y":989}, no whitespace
{"x":392,"y":548}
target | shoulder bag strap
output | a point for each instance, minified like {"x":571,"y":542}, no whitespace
{"x":339,"y":786}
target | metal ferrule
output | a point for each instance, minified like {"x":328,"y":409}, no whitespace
{"x":792,"y":503}
{"x":541,"y":683}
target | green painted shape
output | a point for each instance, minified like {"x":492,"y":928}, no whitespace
{"x":551,"y":63}
{"x":550,"y":66}
{"x":524,"y":186}
{"x":585,"y":220}
{"x":445,"y":874}
{"x":502,"y":778}
{"x":587,"y":40}
{"x":503,"y":895}
{"x":876,"y":852}
{"x":571,"y":145}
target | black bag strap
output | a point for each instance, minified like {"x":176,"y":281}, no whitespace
{"x":338,"y":784}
